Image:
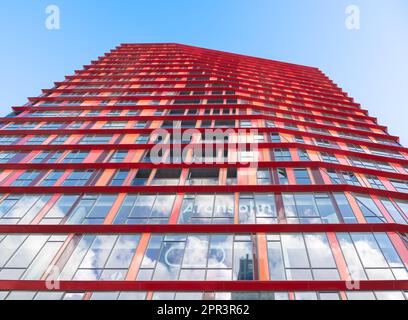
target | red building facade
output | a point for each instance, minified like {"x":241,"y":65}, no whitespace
{"x":165,"y":171}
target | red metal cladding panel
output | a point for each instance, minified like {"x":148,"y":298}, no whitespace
{"x":223,"y":286}
{"x":237,"y":228}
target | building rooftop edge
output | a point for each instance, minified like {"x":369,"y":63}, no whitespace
{"x":220,"y":51}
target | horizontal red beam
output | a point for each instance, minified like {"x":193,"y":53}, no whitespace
{"x":241,"y":90}
{"x":192,"y":55}
{"x":263,"y":164}
{"x":201,"y":117}
{"x":239,"y":106}
{"x":224,"y":286}
{"x":136,"y":97}
{"x":226,"y":82}
{"x":237,"y":76}
{"x":167,"y":117}
{"x":224,"y":60}
{"x":259,"y":129}
{"x":246,"y":65}
{"x":206,"y":117}
{"x":231,"y":57}
{"x":220,"y":78}
{"x":293,"y":101}
{"x":221,"y":62}
{"x":212,"y":228}
{"x":205,"y":189}
{"x":307,"y":93}
{"x":148,"y":146}
{"x":305,"y":79}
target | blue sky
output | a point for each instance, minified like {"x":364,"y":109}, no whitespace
{"x":371,"y":63}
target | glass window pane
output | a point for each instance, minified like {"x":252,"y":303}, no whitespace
{"x":392,"y":210}
{"x":388,"y":250}
{"x":265,"y":205}
{"x":354,"y":265}
{"x":275,"y":259}
{"x":123,"y":252}
{"x":195,"y":255}
{"x":319,"y":251}
{"x":368,"y":250}
{"x":27,"y":252}
{"x":247,"y":211}
{"x":98,"y":252}
{"x":294,"y":251}
{"x":345,"y":208}
{"x":224,"y":205}
{"x":163,"y":206}
{"x":326,"y":209}
{"x":243,"y":261}
{"x":220,"y":252}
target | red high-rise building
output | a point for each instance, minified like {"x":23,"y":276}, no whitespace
{"x":300,"y":194}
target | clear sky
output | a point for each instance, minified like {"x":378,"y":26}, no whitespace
{"x":370,"y":63}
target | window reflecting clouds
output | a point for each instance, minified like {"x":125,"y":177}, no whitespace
{"x":309,"y":208}
{"x":21,"y":209}
{"x":100,"y":258}
{"x":145,"y":209}
{"x":220,"y":208}
{"x":207,"y":209}
{"x":223,"y":296}
{"x":218,"y":257}
{"x":27,"y":257}
{"x":301,"y":257}
{"x":257,"y":208}
{"x":215,"y":257}
{"x":371,"y":256}
{"x":92,"y":209}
